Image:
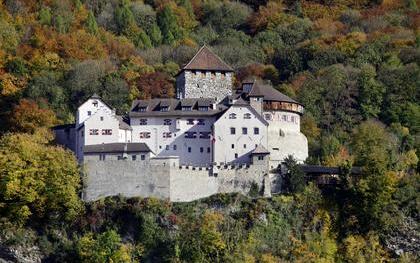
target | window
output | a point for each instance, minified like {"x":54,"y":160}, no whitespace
{"x":233,"y":146}
{"x":284,"y":117}
{"x":205,"y":135}
{"x":143,"y":121}
{"x":144,"y":135}
{"x":142,"y":109}
{"x":174,"y":147}
{"x":95,"y":103}
{"x":256,"y":130}
{"x":203,"y":108}
{"x":244,"y":130}
{"x":142,"y":157}
{"x":102,"y":157}
{"x":244,"y":146}
{"x":190,"y":121}
{"x":260,"y":158}
{"x":106,"y":132}
{"x":189,"y":149}
{"x":186,"y":108}
{"x":247,"y":116}
{"x":236,"y":155}
{"x":102,"y":118}
{"x":267,"y":116}
{"x":190,"y":135}
{"x":133,"y":157}
{"x":167,"y":147}
{"x":292,"y":118}
{"x":167,"y":122}
{"x":89,"y":113}
{"x":201,"y":122}
{"x":232,"y":130}
{"x":164,"y":108}
{"x":232,"y":116}
{"x":208,"y":149}
{"x":120,"y":157}
{"x":201,"y":149}
{"x":167,"y":135}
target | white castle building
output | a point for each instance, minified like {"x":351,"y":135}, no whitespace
{"x":208,"y":123}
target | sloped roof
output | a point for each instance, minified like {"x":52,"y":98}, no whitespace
{"x":260,"y":150}
{"x":205,"y":59}
{"x":153,"y":107}
{"x":122,"y":123}
{"x":269,"y":93}
{"x":116,"y":148}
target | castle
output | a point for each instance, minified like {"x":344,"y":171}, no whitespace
{"x":212,"y":137}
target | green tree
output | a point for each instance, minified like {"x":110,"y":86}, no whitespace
{"x":296,"y":177}
{"x":45,"y":16}
{"x":371,"y":92}
{"x":91,"y":24}
{"x":168,"y":26}
{"x":106,"y":247}
{"x":37,"y":180}
{"x":124,"y":17}
{"x":155,"y":35}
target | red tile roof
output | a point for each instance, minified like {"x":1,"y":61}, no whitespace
{"x":205,"y":59}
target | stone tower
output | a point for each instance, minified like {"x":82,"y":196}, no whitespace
{"x":205,"y":76}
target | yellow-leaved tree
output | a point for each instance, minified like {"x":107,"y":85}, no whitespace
{"x":37,"y":180}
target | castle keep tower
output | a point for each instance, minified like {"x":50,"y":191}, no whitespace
{"x":205,"y":76}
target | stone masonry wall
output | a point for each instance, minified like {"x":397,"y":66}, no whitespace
{"x":165,"y":179}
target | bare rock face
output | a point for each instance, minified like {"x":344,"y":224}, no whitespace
{"x":20,"y":253}
{"x":405,"y":239}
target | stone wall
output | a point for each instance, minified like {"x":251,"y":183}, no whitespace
{"x":163,"y":178}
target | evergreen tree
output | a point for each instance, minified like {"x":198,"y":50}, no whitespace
{"x":91,"y":24}
{"x":168,"y":26}
{"x":143,"y":41}
{"x":155,"y":35}
{"x":124,"y":17}
{"x":45,"y":16}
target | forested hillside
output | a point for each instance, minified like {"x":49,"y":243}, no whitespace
{"x":353,"y":64}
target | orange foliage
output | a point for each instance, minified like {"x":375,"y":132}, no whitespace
{"x":27,"y":116}
{"x":339,"y":159}
{"x":118,"y":47}
{"x":317,"y":11}
{"x":155,"y":85}
{"x":266,"y":15}
{"x":11,"y":85}
{"x":327,"y":26}
{"x":81,"y":45}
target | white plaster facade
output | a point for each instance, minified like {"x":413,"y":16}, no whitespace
{"x":186,"y":137}
{"x":237,"y":133}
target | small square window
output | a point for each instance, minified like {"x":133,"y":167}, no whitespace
{"x":256,"y":130}
{"x":133,"y":157}
{"x":167,"y":147}
{"x":201,"y":149}
{"x":174,"y":147}
{"x":233,"y":146}
{"x":244,"y":146}
{"x":208,"y":149}
{"x":189,"y":149}
{"x":89,"y":113}
{"x":236,"y":156}
{"x":102,"y":118}
{"x":142,"y":157}
{"x":244,"y":130}
{"x":232,"y":130}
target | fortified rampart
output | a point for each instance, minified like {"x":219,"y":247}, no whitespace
{"x":164,"y":178}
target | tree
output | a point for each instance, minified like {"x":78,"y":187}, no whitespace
{"x":27,"y":116}
{"x":106,"y":247}
{"x":91,"y":24}
{"x":370,"y":92}
{"x":296,"y":180}
{"x":168,"y":26}
{"x":37,"y":180}
{"x":155,"y":85}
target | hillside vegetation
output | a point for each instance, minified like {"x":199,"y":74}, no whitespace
{"x":353,"y":64}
